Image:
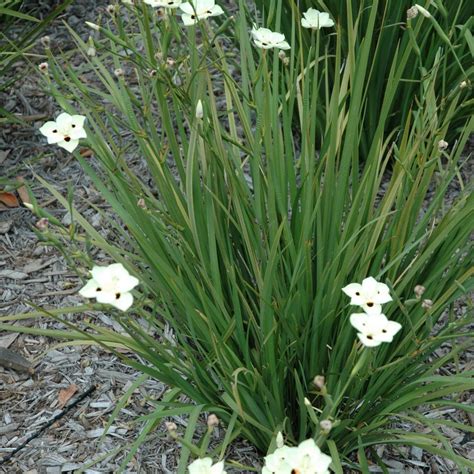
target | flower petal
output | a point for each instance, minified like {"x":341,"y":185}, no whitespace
{"x":69,"y":145}
{"x":368,"y":340}
{"x":90,"y":289}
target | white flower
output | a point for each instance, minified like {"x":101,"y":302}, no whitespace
{"x":199,"y":110}
{"x":164,"y":3}
{"x":374,"y":328}
{"x":304,"y":459}
{"x":371,"y":295}
{"x":111,"y":285}
{"x":65,"y":131}
{"x":315,"y":20}
{"x":267,"y":39}
{"x":196,"y":10}
{"x":204,"y":466}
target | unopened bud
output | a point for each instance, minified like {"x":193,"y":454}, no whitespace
{"x":212,"y":421}
{"x":91,"y":51}
{"x":280,"y":442}
{"x":419,"y":290}
{"x":326,"y":426}
{"x":159,"y":56}
{"x":141,"y":203}
{"x":286,"y":61}
{"x":412,"y":12}
{"x":307,"y":402}
{"x":43,"y":67}
{"x":46,"y":41}
{"x":423,"y":11}
{"x":199,"y":110}
{"x":119,"y":72}
{"x":427,"y":304}
{"x":442,"y":145}
{"x":42,"y":224}
{"x":463,"y":85}
{"x":282,"y":54}
{"x":93,"y":26}
{"x":319,"y":381}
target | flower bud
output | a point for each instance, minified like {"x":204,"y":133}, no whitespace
{"x":326,"y":426}
{"x":427,"y":304}
{"x":307,"y":402}
{"x":93,"y":26}
{"x":419,"y":290}
{"x":282,"y":54}
{"x":212,"y":421}
{"x":280,"y":442}
{"x":141,"y":203}
{"x":442,"y":145}
{"x":286,"y":61}
{"x":423,"y":11}
{"x":42,"y":224}
{"x":119,"y":72}
{"x":463,"y":85}
{"x":199,"y":110}
{"x":319,"y":381}
{"x":43,"y":67}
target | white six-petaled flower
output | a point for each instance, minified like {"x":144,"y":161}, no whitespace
{"x":267,"y":39}
{"x":315,"y":19}
{"x":205,"y":466}
{"x":111,"y":285}
{"x":374,"y":328}
{"x":164,"y":3}
{"x":306,"y":458}
{"x":196,"y":10}
{"x":65,"y":131}
{"x":370,"y":295}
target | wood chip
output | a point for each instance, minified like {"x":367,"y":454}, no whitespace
{"x":5,"y":226}
{"x":12,"y":360}
{"x":13,"y":274}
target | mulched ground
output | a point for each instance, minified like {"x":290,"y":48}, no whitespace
{"x":32,"y":272}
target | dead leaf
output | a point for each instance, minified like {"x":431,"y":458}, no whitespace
{"x":86,"y":152}
{"x":9,"y":199}
{"x":66,"y":394}
{"x":23,"y":192}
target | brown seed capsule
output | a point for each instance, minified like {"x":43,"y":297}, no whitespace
{"x":427,"y":304}
{"x":419,"y":290}
{"x":319,"y":381}
{"x":42,"y":224}
{"x":326,"y":426}
{"x":212,"y":421}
